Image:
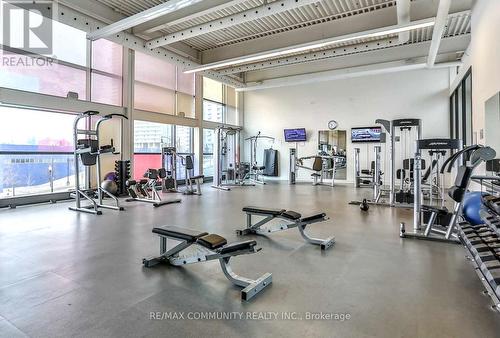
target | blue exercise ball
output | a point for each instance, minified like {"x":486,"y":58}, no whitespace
{"x":471,"y":205}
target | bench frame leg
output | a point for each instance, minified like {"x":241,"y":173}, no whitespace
{"x":258,"y":230}
{"x":250,"y":287}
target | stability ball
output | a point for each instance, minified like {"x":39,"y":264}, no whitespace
{"x":111,"y":176}
{"x":471,"y":206}
{"x":110,"y":186}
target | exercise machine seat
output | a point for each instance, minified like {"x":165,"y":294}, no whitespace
{"x":291,"y":215}
{"x":271,"y":212}
{"x":199,"y":177}
{"x":212,"y":241}
{"x":439,"y":211}
{"x":316,"y":217}
{"x":162,"y":173}
{"x":318,"y":164}
{"x":247,"y":245}
{"x":315,"y":175}
{"x":189,"y":235}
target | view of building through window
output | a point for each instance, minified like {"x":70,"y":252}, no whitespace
{"x":150,"y":137}
{"x":35,"y":160}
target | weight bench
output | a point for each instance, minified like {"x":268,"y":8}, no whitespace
{"x":293,"y":220}
{"x":209,"y":247}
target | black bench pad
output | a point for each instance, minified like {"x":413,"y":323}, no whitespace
{"x":199,"y":177}
{"x":212,"y":241}
{"x":247,"y":245}
{"x":292,"y":215}
{"x":265,"y":211}
{"x":185,"y":234}
{"x":313,"y":218}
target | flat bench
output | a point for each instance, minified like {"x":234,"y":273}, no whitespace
{"x":292,"y":219}
{"x":210,"y":247}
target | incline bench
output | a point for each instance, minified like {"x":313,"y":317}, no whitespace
{"x":293,"y":220}
{"x":210,"y":247}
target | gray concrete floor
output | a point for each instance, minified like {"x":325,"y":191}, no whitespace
{"x":65,"y":274}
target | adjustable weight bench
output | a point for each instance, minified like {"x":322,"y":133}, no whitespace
{"x":209,"y":247}
{"x":292,"y":220}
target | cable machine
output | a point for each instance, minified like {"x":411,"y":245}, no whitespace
{"x":255,"y":173}
{"x":89,"y":150}
{"x":403,"y":132}
{"x":229,"y":171}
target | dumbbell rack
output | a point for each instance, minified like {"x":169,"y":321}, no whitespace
{"x":482,"y":243}
{"x":122,"y":170}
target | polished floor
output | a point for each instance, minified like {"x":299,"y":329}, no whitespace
{"x":64,"y":274}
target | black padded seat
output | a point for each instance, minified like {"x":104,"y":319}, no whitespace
{"x":271,"y":212}
{"x":291,"y":215}
{"x":315,"y":175}
{"x":247,"y":245}
{"x":312,"y":218}
{"x":212,"y":241}
{"x":189,"y":235}
{"x":439,"y":211}
{"x":199,"y":177}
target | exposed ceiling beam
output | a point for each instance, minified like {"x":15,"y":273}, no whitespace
{"x":441,"y":19}
{"x":356,"y":49}
{"x":145,"y":16}
{"x":374,"y":33}
{"x":337,"y":74}
{"x":403,"y":12}
{"x":389,"y":44}
{"x":451,"y":49}
{"x":107,"y":15}
{"x":253,"y":14}
{"x":87,"y":24}
{"x":189,"y":13}
{"x":356,"y":22}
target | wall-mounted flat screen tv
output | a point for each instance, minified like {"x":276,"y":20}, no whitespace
{"x":366,"y":134}
{"x":295,"y":135}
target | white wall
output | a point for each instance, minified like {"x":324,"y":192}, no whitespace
{"x":485,"y":58}
{"x":354,"y":102}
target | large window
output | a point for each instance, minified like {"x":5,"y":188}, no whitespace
{"x":24,"y":73}
{"x":35,"y":160}
{"x":184,"y":146}
{"x":44,"y":75}
{"x":208,"y":152}
{"x":461,"y":111}
{"x":162,"y":87}
{"x":107,"y":69}
{"x":219,"y":102}
{"x":149,"y":138}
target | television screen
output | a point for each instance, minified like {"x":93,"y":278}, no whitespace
{"x":295,"y":135}
{"x":369,"y":134}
